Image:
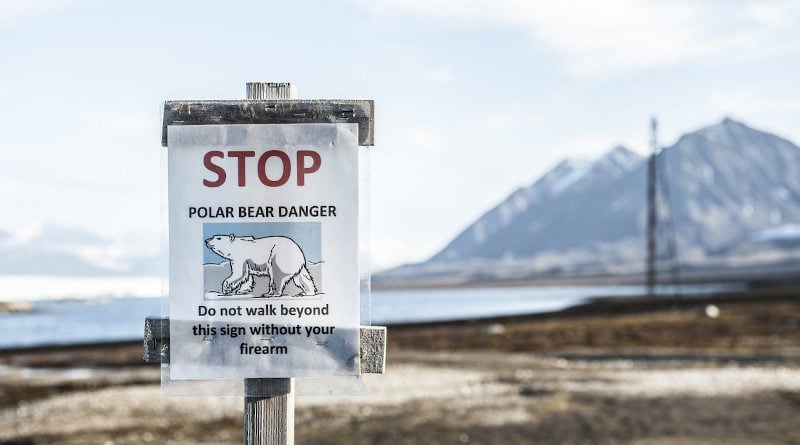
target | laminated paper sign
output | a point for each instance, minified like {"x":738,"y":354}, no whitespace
{"x":263,"y":242}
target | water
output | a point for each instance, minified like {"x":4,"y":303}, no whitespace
{"x":421,"y":305}
{"x":115,"y":309}
{"x":77,"y":321}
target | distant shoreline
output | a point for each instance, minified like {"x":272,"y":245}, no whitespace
{"x":597,"y":307}
{"x":614,"y":305}
{"x":13,"y":307}
{"x":753,"y":275}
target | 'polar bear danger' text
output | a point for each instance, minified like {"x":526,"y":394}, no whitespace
{"x":298,"y":211}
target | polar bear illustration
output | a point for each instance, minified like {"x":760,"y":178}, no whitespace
{"x":276,"y":257}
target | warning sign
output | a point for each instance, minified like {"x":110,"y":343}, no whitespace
{"x":263,"y":242}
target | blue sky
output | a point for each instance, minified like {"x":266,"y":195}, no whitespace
{"x":474,"y":98}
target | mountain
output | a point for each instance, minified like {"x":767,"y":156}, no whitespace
{"x":56,"y":250}
{"x":733,"y":191}
{"x":546,"y":214}
{"x":730,"y":183}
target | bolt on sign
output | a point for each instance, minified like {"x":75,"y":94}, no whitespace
{"x":263,"y":238}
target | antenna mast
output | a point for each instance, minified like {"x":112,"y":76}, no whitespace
{"x":651,"y":209}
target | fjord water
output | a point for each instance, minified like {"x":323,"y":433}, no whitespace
{"x":427,"y":305}
{"x":65,"y":319}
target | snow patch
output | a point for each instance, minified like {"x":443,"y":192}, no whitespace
{"x":578,"y":172}
{"x":784,"y":232}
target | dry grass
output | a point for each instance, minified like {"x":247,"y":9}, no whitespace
{"x":613,"y":372}
{"x":753,"y":323}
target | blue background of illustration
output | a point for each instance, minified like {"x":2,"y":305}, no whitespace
{"x":307,"y":235}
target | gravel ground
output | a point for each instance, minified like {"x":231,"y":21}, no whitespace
{"x":613,"y":374}
{"x":438,"y":397}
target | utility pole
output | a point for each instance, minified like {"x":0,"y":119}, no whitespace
{"x":651,"y":209}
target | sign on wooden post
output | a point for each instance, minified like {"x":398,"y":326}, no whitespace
{"x":249,"y":256}
{"x":263,"y":228}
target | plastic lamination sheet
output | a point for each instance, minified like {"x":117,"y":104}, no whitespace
{"x":264,"y":278}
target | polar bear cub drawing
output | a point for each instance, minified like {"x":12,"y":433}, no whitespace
{"x":276,"y":257}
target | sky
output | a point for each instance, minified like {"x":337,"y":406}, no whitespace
{"x":474,"y":98}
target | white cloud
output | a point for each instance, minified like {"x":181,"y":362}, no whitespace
{"x":507,"y":121}
{"x":748,"y":103}
{"x":12,"y":10}
{"x":775,"y":14}
{"x":593,"y":145}
{"x":596,"y":37}
{"x":612,"y":36}
{"x":388,"y":252}
{"x":441,"y":75}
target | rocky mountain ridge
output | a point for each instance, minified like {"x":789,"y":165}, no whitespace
{"x":733,"y":194}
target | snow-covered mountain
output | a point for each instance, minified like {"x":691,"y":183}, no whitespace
{"x":733,"y":191}
{"x":730,"y":184}
{"x":51,"y":249}
{"x":546,"y":213}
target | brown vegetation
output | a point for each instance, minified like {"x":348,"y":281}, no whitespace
{"x":616,"y":371}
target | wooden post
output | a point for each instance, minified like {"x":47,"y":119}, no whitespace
{"x":269,"y":419}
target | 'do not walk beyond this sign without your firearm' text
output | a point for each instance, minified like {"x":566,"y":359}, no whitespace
{"x":263,"y":241}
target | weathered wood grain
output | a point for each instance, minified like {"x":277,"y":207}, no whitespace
{"x":220,"y":112}
{"x":269,"y":420}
